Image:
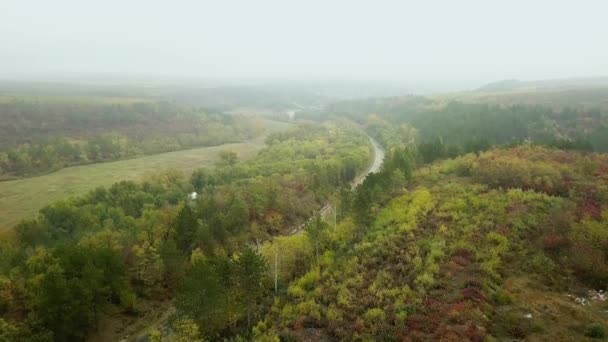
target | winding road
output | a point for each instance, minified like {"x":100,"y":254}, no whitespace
{"x":373,"y":168}
{"x":376,"y":164}
{"x":378,"y":151}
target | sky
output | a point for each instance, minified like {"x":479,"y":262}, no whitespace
{"x":313,"y":39}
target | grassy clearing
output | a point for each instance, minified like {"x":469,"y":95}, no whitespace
{"x":20,"y":199}
{"x":554,"y":316}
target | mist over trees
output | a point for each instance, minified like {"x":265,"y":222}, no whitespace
{"x":39,"y":136}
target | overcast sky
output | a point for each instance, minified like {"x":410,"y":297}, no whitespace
{"x":399,"y":40}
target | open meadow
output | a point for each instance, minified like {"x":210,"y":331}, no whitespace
{"x":22,"y":198}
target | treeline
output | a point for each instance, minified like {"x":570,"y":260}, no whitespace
{"x":39,"y":137}
{"x":133,"y":242}
{"x":448,"y":129}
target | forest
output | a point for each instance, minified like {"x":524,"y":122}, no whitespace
{"x":446,"y":129}
{"x":132,"y":242}
{"x":314,"y":171}
{"x":484,"y":223}
{"x":480,"y":247}
{"x":41,"y":135}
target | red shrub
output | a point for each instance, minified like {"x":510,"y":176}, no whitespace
{"x":459,"y":307}
{"x":554,"y":241}
{"x":474,"y":294}
{"x":464,"y":254}
{"x":422,"y":323}
{"x":592,"y":208}
{"x":299,"y":323}
{"x":475,"y":334}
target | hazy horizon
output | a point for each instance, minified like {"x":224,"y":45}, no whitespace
{"x":471,"y":41}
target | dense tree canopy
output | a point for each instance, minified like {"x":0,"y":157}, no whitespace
{"x":132,"y":242}
{"x":483,"y":223}
{"x":38,"y":136}
{"x":446,"y":129}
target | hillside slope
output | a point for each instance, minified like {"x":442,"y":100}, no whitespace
{"x":510,"y":244}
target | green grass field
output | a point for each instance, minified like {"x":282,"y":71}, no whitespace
{"x":22,"y":198}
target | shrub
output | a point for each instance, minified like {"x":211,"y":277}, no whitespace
{"x":554,"y":241}
{"x":296,"y":291}
{"x":473,"y":294}
{"x":308,"y":281}
{"x":537,"y":327}
{"x":333,"y":313}
{"x":595,"y":330}
{"x":541,"y":264}
{"x":128,"y":301}
{"x":589,"y":248}
{"x":511,"y":325}
{"x":309,"y":308}
{"x":502,"y":298}
{"x":375,"y":315}
{"x":400,"y":318}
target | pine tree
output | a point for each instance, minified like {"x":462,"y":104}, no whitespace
{"x":185,"y":226}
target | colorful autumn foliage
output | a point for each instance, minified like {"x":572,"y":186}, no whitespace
{"x":434,"y":263}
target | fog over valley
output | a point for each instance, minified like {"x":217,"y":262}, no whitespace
{"x":470,"y":40}
{"x":277,"y":171}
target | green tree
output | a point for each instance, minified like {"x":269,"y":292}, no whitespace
{"x":251,"y":271}
{"x":362,"y":207}
{"x":148,"y":268}
{"x":72,"y":286}
{"x":185,"y":226}
{"x":203,"y":297}
{"x":432,"y":150}
{"x":228,"y":158}
{"x":316,"y":231}
{"x":173,"y":261}
{"x":345,"y":201}
{"x":236,"y":219}
{"x":186,"y":330}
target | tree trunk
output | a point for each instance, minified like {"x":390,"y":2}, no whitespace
{"x":248,"y":316}
{"x":276,"y":269}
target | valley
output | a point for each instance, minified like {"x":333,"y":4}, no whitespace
{"x":22,"y":198}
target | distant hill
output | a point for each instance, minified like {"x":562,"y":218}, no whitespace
{"x":500,"y":85}
{"x":555,"y":84}
{"x":589,"y":93}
